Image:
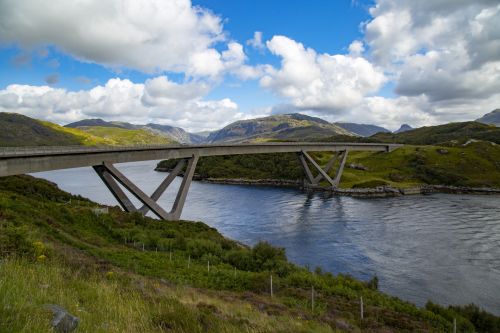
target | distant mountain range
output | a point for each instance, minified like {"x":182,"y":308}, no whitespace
{"x":403,"y":128}
{"x":19,"y":130}
{"x":492,"y":118}
{"x":174,"y":133}
{"x":362,"y":129}
{"x":294,"y":126}
{"x":447,"y":134}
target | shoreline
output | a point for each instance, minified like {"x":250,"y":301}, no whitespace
{"x":376,"y":192}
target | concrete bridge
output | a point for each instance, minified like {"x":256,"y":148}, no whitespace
{"x":15,"y":161}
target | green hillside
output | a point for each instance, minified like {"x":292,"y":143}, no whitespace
{"x":450,"y":134}
{"x":122,"y":136}
{"x":294,"y":126}
{"x":476,"y":165}
{"x":121,"y":272}
{"x":17,"y":130}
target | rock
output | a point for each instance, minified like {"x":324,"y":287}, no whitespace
{"x":63,"y":321}
{"x":357,"y":166}
{"x":342,"y":325}
{"x":442,"y":151}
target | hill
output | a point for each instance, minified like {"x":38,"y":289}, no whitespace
{"x":474,"y":165}
{"x":449,"y":134}
{"x":362,"y":129}
{"x":122,"y":137}
{"x":175,"y":134}
{"x":492,"y":118}
{"x":18,"y":130}
{"x":283,"y":127}
{"x":122,"y":272}
{"x":403,"y":128}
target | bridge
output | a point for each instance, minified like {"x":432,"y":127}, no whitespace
{"x":21,"y":160}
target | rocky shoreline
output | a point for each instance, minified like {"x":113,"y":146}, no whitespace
{"x":377,"y":192}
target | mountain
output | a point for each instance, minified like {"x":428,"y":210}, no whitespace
{"x":404,"y":128}
{"x":361,"y":129}
{"x":18,"y":130}
{"x":174,"y":133}
{"x":492,"y":118}
{"x":452,"y":133}
{"x":293,"y":126}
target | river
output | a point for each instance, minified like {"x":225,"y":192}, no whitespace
{"x":441,"y":247}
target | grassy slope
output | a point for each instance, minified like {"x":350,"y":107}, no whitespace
{"x":18,"y":130}
{"x":122,"y":136}
{"x":431,"y":135}
{"x":97,"y":268}
{"x":477,"y":164}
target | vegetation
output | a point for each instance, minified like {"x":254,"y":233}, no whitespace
{"x":17,"y":130}
{"x":55,"y":249}
{"x":294,"y":126}
{"x":476,"y":165}
{"x":451,"y":134}
{"x":123,"y":136}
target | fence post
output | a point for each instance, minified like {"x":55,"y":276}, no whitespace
{"x":208,"y":266}
{"x":189,"y":261}
{"x":312,"y":298}
{"x":361,"y":307}
{"x":271,"y":282}
{"x":454,"y":325}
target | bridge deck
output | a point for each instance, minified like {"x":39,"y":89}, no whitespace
{"x":21,"y":160}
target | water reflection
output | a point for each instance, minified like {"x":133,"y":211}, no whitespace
{"x":439,"y":247}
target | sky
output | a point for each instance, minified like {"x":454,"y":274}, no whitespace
{"x":203,"y":64}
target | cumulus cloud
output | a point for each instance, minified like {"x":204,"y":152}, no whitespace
{"x":446,"y":50}
{"x":151,"y":36}
{"x":157,"y":100}
{"x":321,"y":82}
{"x":442,"y":57}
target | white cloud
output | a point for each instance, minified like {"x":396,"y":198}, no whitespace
{"x":256,"y":41}
{"x":445,"y":50}
{"x":157,"y":100}
{"x":321,"y":82}
{"x":151,"y":36}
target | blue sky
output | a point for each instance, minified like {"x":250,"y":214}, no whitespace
{"x":192,"y":64}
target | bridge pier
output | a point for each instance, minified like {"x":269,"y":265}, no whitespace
{"x":311,"y":180}
{"x":112,"y":176}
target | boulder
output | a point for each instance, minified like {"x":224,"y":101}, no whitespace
{"x":63,"y":321}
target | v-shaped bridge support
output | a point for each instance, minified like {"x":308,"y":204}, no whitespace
{"x":304,"y":158}
{"x":112,"y":176}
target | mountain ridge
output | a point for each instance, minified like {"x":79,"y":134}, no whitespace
{"x":492,"y":118}
{"x":277,"y":127}
{"x":175,"y":133}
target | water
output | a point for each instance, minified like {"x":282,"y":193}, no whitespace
{"x":440,"y":247}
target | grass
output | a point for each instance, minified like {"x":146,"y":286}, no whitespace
{"x":121,"y":262}
{"x":476,"y":164}
{"x":122,"y":136}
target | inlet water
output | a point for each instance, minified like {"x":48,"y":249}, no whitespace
{"x":441,"y":247}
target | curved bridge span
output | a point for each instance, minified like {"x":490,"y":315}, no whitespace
{"x":15,"y":161}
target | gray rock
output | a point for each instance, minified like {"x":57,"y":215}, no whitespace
{"x":357,"y":166}
{"x":63,"y":321}
{"x":442,"y":151}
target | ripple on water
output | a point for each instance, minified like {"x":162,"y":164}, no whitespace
{"x":440,"y":247}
